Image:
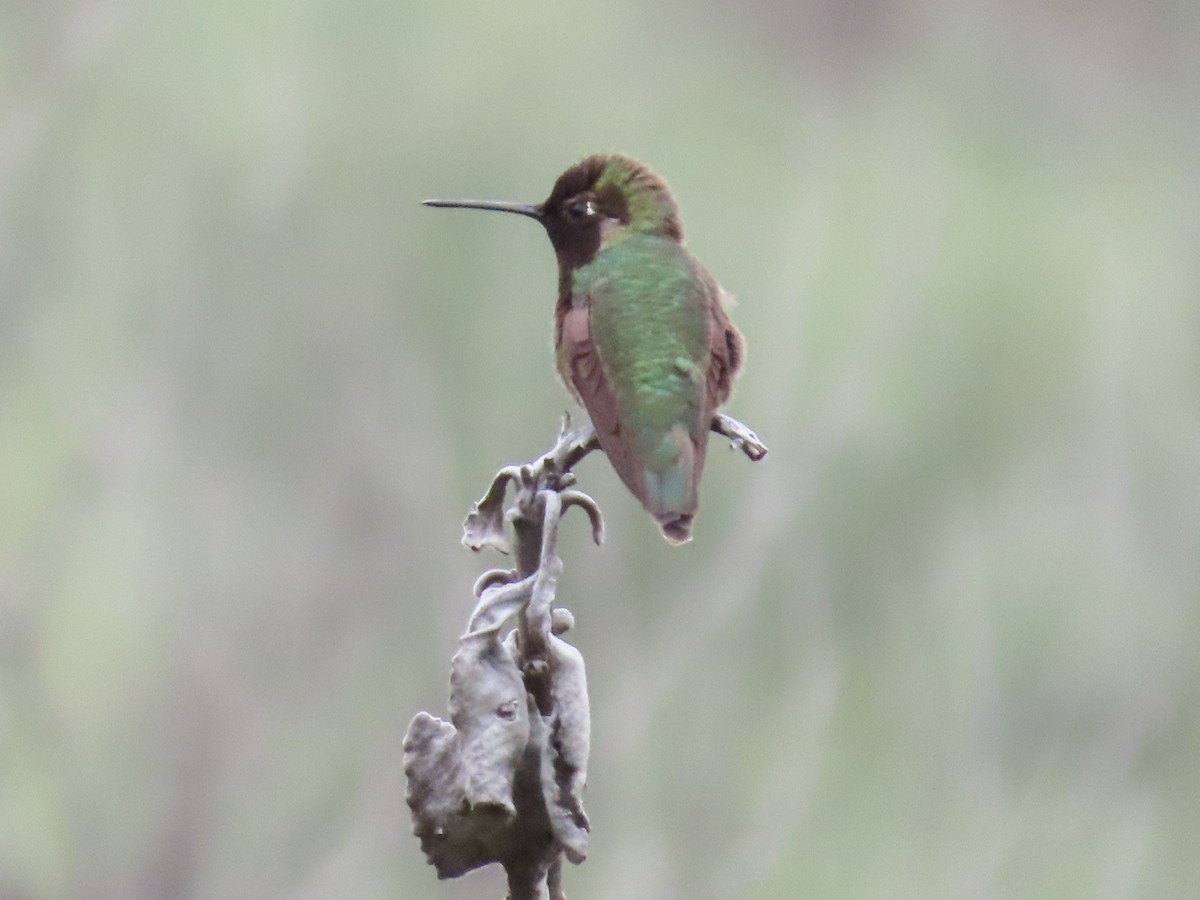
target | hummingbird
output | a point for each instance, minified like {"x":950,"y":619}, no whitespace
{"x":641,"y":333}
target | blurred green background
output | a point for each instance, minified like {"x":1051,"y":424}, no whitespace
{"x":938,"y":645}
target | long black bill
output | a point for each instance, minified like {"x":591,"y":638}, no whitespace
{"x":521,"y":209}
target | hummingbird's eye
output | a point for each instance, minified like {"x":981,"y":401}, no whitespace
{"x":580,"y":210}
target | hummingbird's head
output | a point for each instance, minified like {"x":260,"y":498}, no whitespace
{"x":594,"y":204}
{"x":602,"y":199}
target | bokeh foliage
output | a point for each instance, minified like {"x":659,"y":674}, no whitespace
{"x":940,"y":644}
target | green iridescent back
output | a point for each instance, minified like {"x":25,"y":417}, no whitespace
{"x":650,"y":326}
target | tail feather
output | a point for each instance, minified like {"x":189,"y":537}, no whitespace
{"x":664,"y":476}
{"x":676,"y":530}
{"x":671,"y":490}
{"x":670,"y":478}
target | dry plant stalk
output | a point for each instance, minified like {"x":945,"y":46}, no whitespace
{"x":502,"y":781}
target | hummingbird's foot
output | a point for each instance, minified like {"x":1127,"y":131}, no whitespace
{"x":740,"y":437}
